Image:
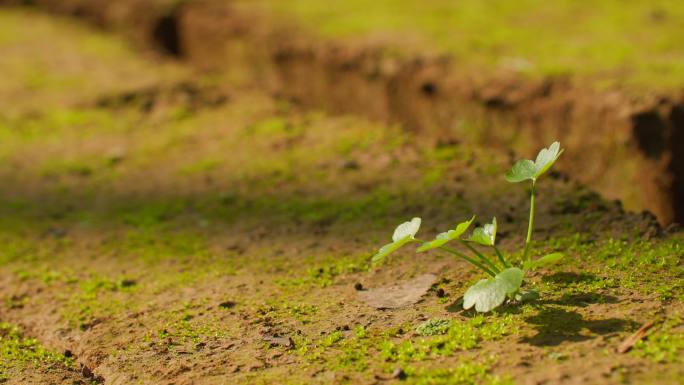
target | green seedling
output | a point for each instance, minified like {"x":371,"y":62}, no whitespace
{"x":505,"y":280}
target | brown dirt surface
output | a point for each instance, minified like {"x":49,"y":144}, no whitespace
{"x":195,"y":228}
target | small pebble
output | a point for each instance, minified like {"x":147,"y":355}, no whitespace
{"x":399,"y":374}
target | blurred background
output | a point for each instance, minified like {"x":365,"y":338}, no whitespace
{"x":606,"y":79}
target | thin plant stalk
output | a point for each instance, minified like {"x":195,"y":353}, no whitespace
{"x":482,"y":257}
{"x":468,"y":259}
{"x":530,"y":224}
{"x":501,"y":257}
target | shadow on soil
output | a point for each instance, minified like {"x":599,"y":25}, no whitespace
{"x":555,"y":326}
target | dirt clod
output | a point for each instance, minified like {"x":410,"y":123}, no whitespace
{"x":227,"y":305}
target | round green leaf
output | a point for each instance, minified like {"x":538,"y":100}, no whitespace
{"x":485,"y":295}
{"x":512,"y":277}
{"x":488,"y":294}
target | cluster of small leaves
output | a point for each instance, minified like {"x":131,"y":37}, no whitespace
{"x":433,"y":327}
{"x":505,"y":280}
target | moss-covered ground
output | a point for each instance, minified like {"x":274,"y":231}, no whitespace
{"x":158,"y":227}
{"x":613,"y":42}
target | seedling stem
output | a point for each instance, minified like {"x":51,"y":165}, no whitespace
{"x":482,"y":257}
{"x":530,"y":224}
{"x":472,"y":261}
{"x":501,"y":257}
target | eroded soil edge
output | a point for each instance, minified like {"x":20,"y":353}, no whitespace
{"x":621,"y":142}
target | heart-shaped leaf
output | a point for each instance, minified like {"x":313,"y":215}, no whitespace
{"x":485,"y":235}
{"x":546,"y":260}
{"x":488,"y":294}
{"x":526,"y":169}
{"x":522,"y":170}
{"x":485,"y":295}
{"x":546,"y":158}
{"x":406,"y":229}
{"x":443,"y":238}
{"x":403,"y":234}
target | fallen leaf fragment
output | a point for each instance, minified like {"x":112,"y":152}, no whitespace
{"x":285,"y":342}
{"x":397,"y":296}
{"x":629,"y":342}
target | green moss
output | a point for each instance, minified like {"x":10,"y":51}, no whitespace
{"x":98,"y":297}
{"x":18,"y":353}
{"x":466,"y":372}
{"x":202,"y":166}
{"x":665,"y":345}
{"x":460,"y":336}
{"x":648,"y":266}
{"x":338,"y":350}
{"x":324,"y":274}
{"x":90,"y":288}
{"x":332,"y":338}
{"x":433,"y":176}
{"x":188,"y":325}
{"x":605,"y":40}
{"x":279,"y":309}
{"x":153,"y":245}
{"x":433,"y":327}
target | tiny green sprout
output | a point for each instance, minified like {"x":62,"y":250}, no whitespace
{"x":505,"y":280}
{"x":526,"y":169}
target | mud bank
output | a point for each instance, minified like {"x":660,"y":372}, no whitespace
{"x":621,"y":143}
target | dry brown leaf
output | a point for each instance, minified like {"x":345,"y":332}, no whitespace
{"x":396,"y":296}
